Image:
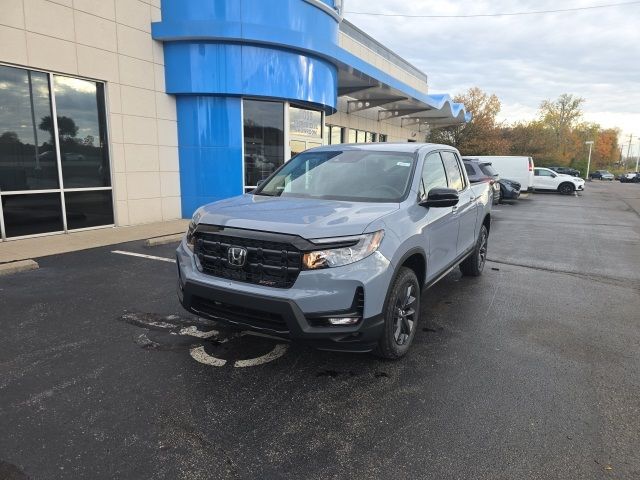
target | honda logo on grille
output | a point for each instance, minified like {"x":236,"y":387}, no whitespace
{"x":237,"y":256}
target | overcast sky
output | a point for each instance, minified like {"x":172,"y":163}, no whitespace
{"x":524,"y":60}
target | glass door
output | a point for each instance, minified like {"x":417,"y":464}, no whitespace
{"x":305,"y":129}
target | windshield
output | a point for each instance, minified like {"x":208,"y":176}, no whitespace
{"x":351,"y":175}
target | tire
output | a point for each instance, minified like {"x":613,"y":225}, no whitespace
{"x":473,"y":265}
{"x":401,"y":316}
{"x":566,"y":188}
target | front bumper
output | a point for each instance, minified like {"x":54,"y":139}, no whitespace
{"x":292,"y":313}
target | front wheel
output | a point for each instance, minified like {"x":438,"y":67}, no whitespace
{"x":401,"y":314}
{"x":566,"y":189}
{"x":474,"y":263}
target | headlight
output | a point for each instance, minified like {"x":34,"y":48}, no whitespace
{"x":364,"y":246}
{"x":192,"y":228}
{"x":190,"y":236}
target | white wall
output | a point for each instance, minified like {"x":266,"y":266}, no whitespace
{"x":363,"y":52}
{"x":109,"y":40}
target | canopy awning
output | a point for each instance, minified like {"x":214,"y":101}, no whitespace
{"x":366,"y":87}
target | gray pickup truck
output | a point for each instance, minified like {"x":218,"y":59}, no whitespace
{"x":336,"y":246}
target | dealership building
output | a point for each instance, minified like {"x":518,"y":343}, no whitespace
{"x":123,"y":112}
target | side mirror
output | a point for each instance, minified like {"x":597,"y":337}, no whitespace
{"x":260,"y":182}
{"x":441,"y":197}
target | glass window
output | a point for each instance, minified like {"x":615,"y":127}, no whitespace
{"x":382,"y":138}
{"x":29,"y":214}
{"x":488,"y":170}
{"x":335,"y":135}
{"x":469,"y":169}
{"x":352,"y":136}
{"x":305,"y":123}
{"x":452,"y":167}
{"x":30,"y":138}
{"x":368,"y":137}
{"x":263,"y":139}
{"x":433,"y":175}
{"x":27,"y":150}
{"x":88,"y":209}
{"x":542,"y":173}
{"x":352,"y":175}
{"x":297,"y":146}
{"x":81,"y":132}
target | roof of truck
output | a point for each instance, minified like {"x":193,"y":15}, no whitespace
{"x":386,"y":147}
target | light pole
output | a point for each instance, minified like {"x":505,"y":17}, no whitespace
{"x":590,"y":143}
{"x":637,"y":159}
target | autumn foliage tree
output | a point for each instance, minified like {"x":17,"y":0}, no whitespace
{"x":555,"y":138}
{"x":482,"y":135}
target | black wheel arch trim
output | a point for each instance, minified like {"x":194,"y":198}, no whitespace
{"x":409,"y":253}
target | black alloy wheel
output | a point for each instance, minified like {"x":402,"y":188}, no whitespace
{"x":401,"y":315}
{"x":405,"y":315}
{"x":566,"y":189}
{"x":473,"y":265}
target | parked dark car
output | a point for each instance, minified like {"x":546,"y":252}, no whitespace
{"x":566,"y":171}
{"x":601,"y":175}
{"x":482,"y":171}
{"x":509,"y":189}
{"x":630,"y":177}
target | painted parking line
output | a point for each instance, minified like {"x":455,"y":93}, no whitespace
{"x":178,"y":327}
{"x":141,"y":255}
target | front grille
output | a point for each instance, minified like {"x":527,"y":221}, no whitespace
{"x":269,"y":263}
{"x":235,"y":313}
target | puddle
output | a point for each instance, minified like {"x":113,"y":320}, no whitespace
{"x":207,"y":342}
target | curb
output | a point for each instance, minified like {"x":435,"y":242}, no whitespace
{"x":19,"y":266}
{"x":154,"y":242}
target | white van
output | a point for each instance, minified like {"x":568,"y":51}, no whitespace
{"x":518,"y":169}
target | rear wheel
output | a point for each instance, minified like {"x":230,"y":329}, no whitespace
{"x":401,"y":314}
{"x":474,"y":263}
{"x":566,"y":188}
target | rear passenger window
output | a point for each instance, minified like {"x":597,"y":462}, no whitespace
{"x":488,"y":170}
{"x":433,"y":175}
{"x":452,"y":167}
{"x":469,"y":170}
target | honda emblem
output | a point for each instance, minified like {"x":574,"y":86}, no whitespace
{"x":237,"y":256}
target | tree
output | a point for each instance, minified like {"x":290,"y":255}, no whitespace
{"x":9,"y":137}
{"x":482,"y":135}
{"x":560,"y":116}
{"x":528,"y":139}
{"x":67,"y":128}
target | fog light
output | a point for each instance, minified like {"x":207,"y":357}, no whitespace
{"x":344,"y":320}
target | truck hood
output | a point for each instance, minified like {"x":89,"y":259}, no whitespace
{"x":308,"y":218}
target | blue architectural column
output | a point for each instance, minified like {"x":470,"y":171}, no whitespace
{"x":219,"y":51}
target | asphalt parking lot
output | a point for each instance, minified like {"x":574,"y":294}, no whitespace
{"x":530,"y":371}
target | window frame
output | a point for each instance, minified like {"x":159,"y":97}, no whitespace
{"x":61,"y":190}
{"x":424,"y":162}
{"x":458,"y":161}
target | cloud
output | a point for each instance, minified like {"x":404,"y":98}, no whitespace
{"x":524,"y":60}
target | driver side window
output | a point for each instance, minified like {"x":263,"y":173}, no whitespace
{"x":433,"y":174}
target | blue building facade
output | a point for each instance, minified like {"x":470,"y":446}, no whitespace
{"x":257,"y":81}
